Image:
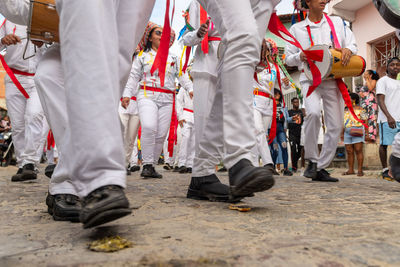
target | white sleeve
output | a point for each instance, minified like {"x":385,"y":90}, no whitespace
{"x":292,"y":52}
{"x":2,"y":34}
{"x":184,"y":80}
{"x":283,"y":76}
{"x":16,"y":11}
{"x":380,"y":87}
{"x":191,"y":38}
{"x":135,"y":77}
{"x":350,"y":40}
{"x":179,"y":103}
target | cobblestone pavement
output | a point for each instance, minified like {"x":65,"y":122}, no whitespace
{"x":297,"y":223}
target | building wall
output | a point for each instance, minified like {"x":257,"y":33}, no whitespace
{"x":368,"y":27}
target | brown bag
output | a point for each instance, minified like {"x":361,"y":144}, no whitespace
{"x":356,"y":132}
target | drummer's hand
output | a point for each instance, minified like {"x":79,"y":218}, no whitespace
{"x":191,"y":95}
{"x":10,"y":39}
{"x":37,"y":43}
{"x":346,"y":55}
{"x":203,"y":29}
{"x":125,"y":102}
{"x":303,"y":57}
{"x":286,"y":81}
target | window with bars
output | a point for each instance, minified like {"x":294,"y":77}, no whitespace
{"x":382,"y":51}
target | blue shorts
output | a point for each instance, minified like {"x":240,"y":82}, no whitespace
{"x":387,"y":134}
{"x":349,"y":140}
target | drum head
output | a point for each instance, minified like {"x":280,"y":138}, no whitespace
{"x":324,"y":66}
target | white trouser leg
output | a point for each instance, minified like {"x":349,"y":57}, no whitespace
{"x":396,"y":146}
{"x":242,"y":25}
{"x":131,"y":126}
{"x":16,"y":103}
{"x":183,"y":150}
{"x":164,"y":122}
{"x":167,"y":158}
{"x":333,"y":105}
{"x":148,"y":113}
{"x":312,"y":123}
{"x":191,"y":145}
{"x":134,"y":155}
{"x":261,"y":124}
{"x":177,"y":146}
{"x":96,"y":74}
{"x":34,"y":118}
{"x":155,"y":122}
{"x":27,"y":123}
{"x":49,"y":80}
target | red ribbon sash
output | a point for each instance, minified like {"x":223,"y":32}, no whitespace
{"x":203,"y":19}
{"x":160,"y":62}
{"x":272,"y":131}
{"x":172,"y":138}
{"x":276,"y":27}
{"x":14,"y":79}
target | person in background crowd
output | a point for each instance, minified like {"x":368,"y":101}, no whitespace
{"x":388,"y":94}
{"x":317,"y":29}
{"x":295,"y":132}
{"x":369,"y":104}
{"x":155,"y":102}
{"x":280,"y":141}
{"x":23,"y":105}
{"x":354,"y":136}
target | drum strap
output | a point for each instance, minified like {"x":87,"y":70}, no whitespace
{"x":340,"y":83}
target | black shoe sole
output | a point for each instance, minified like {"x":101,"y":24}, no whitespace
{"x":66,"y":218}
{"x":150,"y":177}
{"x":106,"y":216}
{"x":326,"y":181}
{"x":24,"y":178}
{"x":199,"y":195}
{"x":309,"y":175}
{"x":258,"y":181}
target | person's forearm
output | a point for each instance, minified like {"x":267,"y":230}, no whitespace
{"x":382,"y":105}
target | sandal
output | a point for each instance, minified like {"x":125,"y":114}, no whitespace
{"x":361,"y":173}
{"x":348,"y":173}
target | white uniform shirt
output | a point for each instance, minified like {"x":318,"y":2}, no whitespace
{"x":16,"y":11}
{"x":140,"y":75}
{"x":390,"y":88}
{"x":266,"y":83}
{"x":321,"y":35}
{"x":183,"y":101}
{"x":14,"y":54}
{"x":203,"y":63}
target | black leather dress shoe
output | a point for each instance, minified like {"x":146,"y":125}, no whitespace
{"x":311,"y":171}
{"x":324,"y":176}
{"x":66,"y":207}
{"x":105,"y":204}
{"x":150,"y":172}
{"x":209,"y":188}
{"x":48,"y":171}
{"x":28,"y":173}
{"x":395,"y":167}
{"x":17,"y":177}
{"x":245,"y":179}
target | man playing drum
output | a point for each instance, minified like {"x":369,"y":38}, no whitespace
{"x":316,"y":29}
{"x":23,"y":102}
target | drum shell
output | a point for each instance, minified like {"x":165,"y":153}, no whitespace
{"x":356,"y":66}
{"x":44,"y":21}
{"x":331,"y":67}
